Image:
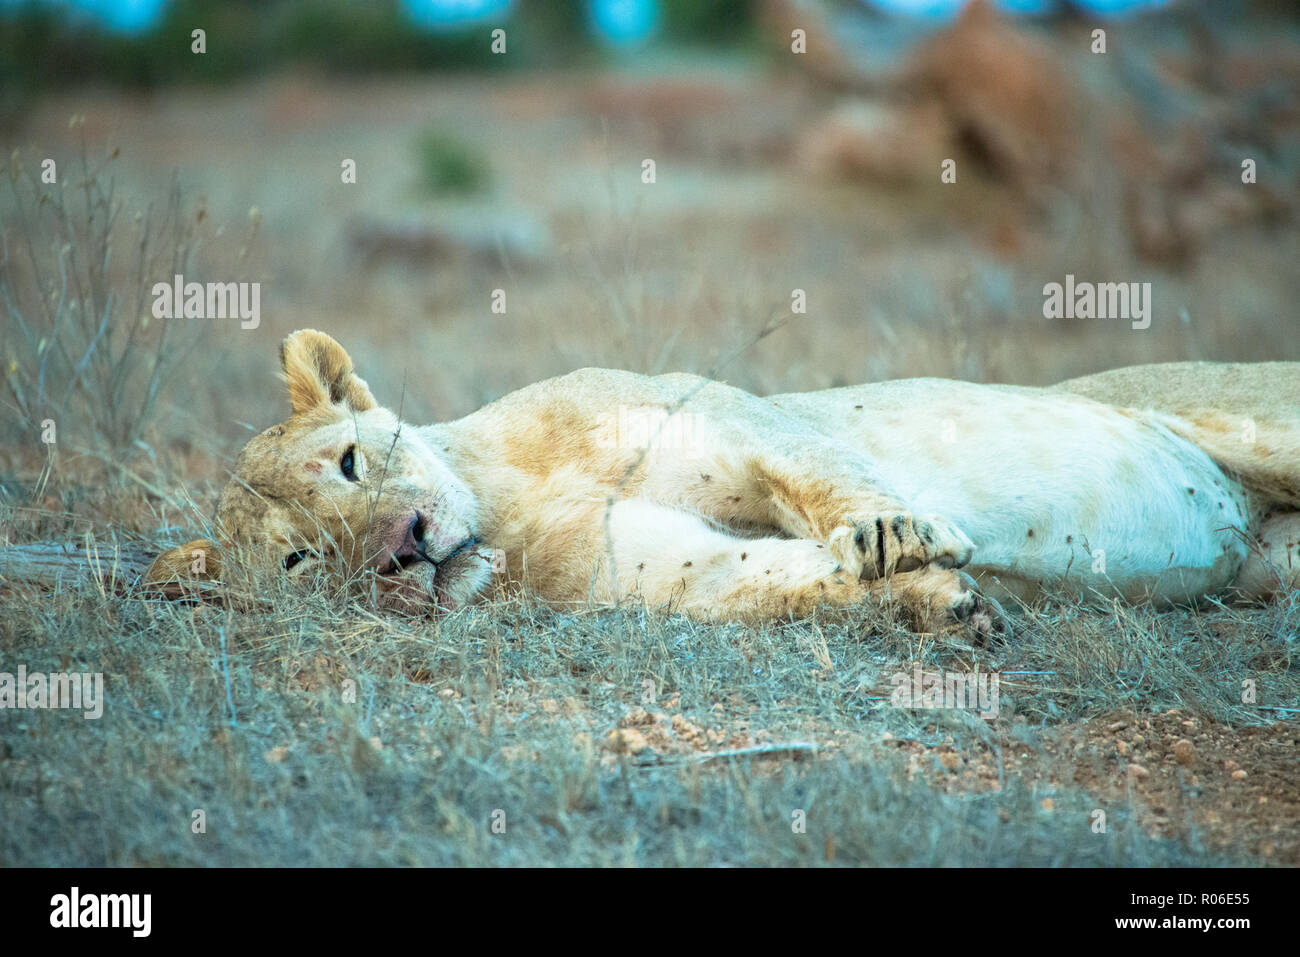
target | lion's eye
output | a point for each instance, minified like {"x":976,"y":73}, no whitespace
{"x":348,"y":464}
{"x":295,"y":558}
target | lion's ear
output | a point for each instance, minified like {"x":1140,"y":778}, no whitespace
{"x":319,"y":371}
{"x":174,"y":569}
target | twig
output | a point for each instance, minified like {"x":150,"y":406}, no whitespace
{"x":225,"y":667}
{"x":791,"y":747}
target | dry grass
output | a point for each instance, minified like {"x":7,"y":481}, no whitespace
{"x":75,"y":271}
{"x":241,"y":708}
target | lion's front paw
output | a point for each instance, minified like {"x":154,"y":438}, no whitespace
{"x":884,"y":544}
{"x":979,"y":615}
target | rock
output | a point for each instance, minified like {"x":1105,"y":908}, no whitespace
{"x":1006,"y":97}
{"x":479,"y":236}
{"x":876,"y":142}
{"x":626,"y":741}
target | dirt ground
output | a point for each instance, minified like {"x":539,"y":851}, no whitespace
{"x":1228,"y":790}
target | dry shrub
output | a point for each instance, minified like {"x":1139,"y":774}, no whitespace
{"x":76,"y":269}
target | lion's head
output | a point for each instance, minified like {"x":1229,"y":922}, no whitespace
{"x":344,"y":486}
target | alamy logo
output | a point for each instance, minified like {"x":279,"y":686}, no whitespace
{"x":954,"y":690}
{"x":1105,"y":300}
{"x":214,"y":300}
{"x":58,"y":689}
{"x":102,"y":910}
{"x":647,"y":427}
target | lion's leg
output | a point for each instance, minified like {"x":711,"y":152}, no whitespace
{"x":750,"y":463}
{"x":1275,"y":567}
{"x":672,"y":559}
{"x":824,"y":490}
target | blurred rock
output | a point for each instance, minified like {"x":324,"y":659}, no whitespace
{"x":860,"y":139}
{"x":981,"y":91}
{"x":479,"y":237}
{"x":1007,"y":99}
{"x":1146,"y":140}
{"x":825,"y":59}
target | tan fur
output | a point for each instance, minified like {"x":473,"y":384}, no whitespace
{"x":1274,"y":562}
{"x":690,"y":495}
{"x":1246,"y":415}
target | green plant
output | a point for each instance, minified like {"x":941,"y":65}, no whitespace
{"x":449,"y":165}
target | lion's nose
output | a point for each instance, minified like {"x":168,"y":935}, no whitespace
{"x":416,"y":532}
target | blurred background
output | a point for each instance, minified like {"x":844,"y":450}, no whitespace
{"x":797,"y":145}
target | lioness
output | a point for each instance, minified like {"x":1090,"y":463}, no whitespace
{"x":691,"y":495}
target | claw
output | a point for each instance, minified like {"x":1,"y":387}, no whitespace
{"x":984,"y":615}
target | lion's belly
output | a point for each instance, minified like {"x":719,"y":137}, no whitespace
{"x":1059,"y":492}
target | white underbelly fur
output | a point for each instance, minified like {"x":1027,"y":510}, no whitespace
{"x":1116,"y":504}
{"x":1142,"y":514}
